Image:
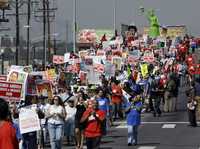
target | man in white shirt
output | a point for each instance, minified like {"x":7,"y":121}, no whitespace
{"x":70,"y":120}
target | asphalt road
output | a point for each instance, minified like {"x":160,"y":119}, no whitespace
{"x":152,"y":135}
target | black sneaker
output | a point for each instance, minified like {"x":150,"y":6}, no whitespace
{"x":129,"y":144}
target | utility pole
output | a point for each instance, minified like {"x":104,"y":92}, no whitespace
{"x":44,"y":35}
{"x":2,"y":63}
{"x":49,"y":32}
{"x":28,"y":31}
{"x":55,"y":46}
{"x":16,"y":4}
{"x":17,"y":32}
{"x":46,"y":14}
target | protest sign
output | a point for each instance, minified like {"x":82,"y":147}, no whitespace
{"x":10,"y":91}
{"x":134,"y":56}
{"x":148,"y":57}
{"x":109,"y":70}
{"x":44,"y":88}
{"x":58,"y":59}
{"x":50,"y":74}
{"x":19,"y":77}
{"x":144,"y":69}
{"x":28,"y":120}
{"x":87,"y":36}
{"x":83,"y":54}
{"x":66,"y":57}
{"x":99,"y":59}
{"x":75,"y":68}
{"x":3,"y":77}
{"x":117,"y":61}
{"x":131,"y":59}
{"x":65,"y":78}
{"x":93,"y":77}
{"x":27,"y":69}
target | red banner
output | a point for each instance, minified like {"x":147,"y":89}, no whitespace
{"x":10,"y":91}
{"x":57,"y":59}
{"x":3,"y":77}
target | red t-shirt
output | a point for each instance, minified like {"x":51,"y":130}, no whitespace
{"x":8,"y":139}
{"x":93,"y":126}
{"x":117,"y":94}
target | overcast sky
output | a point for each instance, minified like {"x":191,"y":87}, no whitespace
{"x":99,"y":14}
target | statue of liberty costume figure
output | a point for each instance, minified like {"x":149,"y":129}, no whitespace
{"x":154,"y":30}
{"x":154,"y":27}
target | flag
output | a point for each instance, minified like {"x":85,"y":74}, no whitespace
{"x":104,"y":38}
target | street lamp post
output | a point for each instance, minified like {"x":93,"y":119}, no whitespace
{"x":114,"y":14}
{"x":75,"y":25}
{"x":17,"y":32}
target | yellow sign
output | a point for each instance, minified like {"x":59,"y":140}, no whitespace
{"x":50,"y":74}
{"x":144,"y":69}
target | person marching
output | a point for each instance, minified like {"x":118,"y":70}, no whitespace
{"x":133,"y":111}
{"x":94,"y":119}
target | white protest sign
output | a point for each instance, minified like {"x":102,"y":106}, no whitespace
{"x":66,"y":57}
{"x":99,"y":59}
{"x":93,"y":76}
{"x":109,"y":69}
{"x":16,"y":76}
{"x":28,"y":121}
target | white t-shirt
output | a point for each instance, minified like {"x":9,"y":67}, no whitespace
{"x":53,"y":109}
{"x":71,"y":111}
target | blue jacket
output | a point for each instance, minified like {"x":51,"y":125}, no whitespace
{"x":134,"y":116}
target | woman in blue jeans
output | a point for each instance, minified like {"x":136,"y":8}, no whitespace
{"x":133,"y":112}
{"x":56,"y":115}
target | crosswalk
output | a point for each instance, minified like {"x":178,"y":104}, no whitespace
{"x":147,"y":147}
{"x":123,"y":125}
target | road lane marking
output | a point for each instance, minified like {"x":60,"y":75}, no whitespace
{"x":147,"y":147}
{"x":169,"y":126}
{"x":124,"y":124}
{"x":156,"y":122}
